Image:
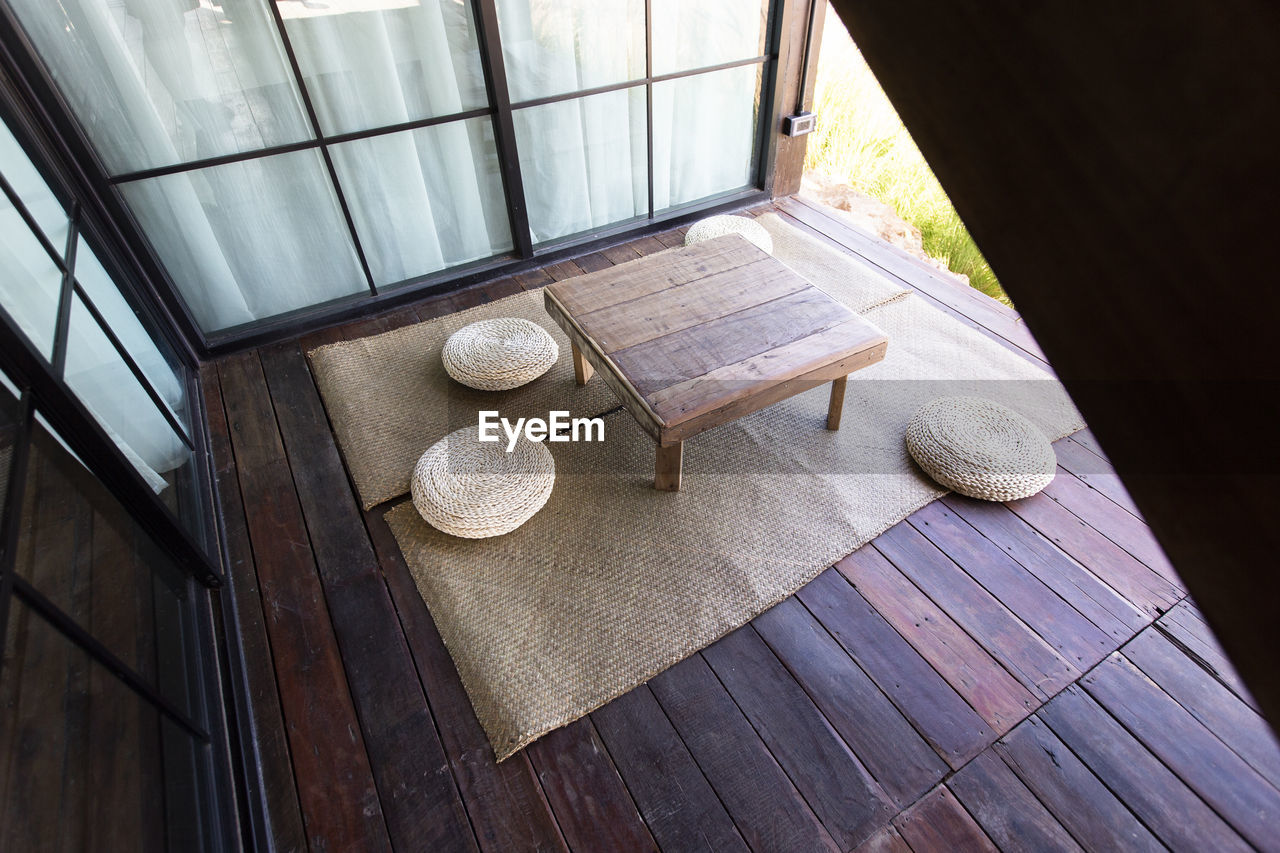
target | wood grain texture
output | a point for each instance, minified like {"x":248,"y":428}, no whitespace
{"x":667,"y":466}
{"x":1053,"y":619}
{"x":1026,"y":655}
{"x":610,"y":285}
{"x":994,"y":693}
{"x":763,"y":802}
{"x":1221,"y":777}
{"x":271,"y":772}
{"x":591,"y":802}
{"x":1008,"y":813}
{"x":1075,"y":455}
{"x":704,"y":334}
{"x":1185,"y":626}
{"x":1093,"y":815}
{"x":679,"y":806}
{"x":933,"y":706}
{"x":1142,"y":587}
{"x":899,"y":759}
{"x":841,"y":792}
{"x":505,"y":803}
{"x":417,"y":792}
{"x":1208,"y":700}
{"x":1104,"y":607}
{"x":1050,"y":128}
{"x":939,"y":824}
{"x":727,"y":339}
{"x":335,"y":784}
{"x":1162,"y":801}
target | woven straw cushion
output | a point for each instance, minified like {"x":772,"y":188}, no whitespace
{"x":499,"y":354}
{"x":718,"y":226}
{"x":476,"y":489}
{"x":980,"y":448}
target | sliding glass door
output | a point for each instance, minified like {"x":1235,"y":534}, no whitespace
{"x":627,"y":108}
{"x":112,"y":734}
{"x":279,"y":156}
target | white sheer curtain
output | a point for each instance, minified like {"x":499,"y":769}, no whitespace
{"x":584,"y":162}
{"x":159,"y":82}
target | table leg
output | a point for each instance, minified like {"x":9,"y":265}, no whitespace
{"x":666,"y":473}
{"x":582,"y":368}
{"x":836,"y":407}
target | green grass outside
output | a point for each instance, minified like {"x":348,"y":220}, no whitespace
{"x":860,"y":140}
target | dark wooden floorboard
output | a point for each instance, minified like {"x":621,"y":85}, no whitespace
{"x":416,"y":789}
{"x":272,"y":780}
{"x":505,"y":802}
{"x":1058,"y":623}
{"x":1208,"y":700}
{"x":997,"y":696}
{"x":679,"y":805}
{"x":938,"y":712}
{"x":899,"y":759}
{"x":1106,"y":608}
{"x":1008,"y":813}
{"x":763,"y":802}
{"x":339,"y":800}
{"x":1222,"y":779}
{"x":1083,"y":463}
{"x":1141,"y":586}
{"x":1162,"y":801}
{"x":591,"y":802}
{"x":850,"y":804}
{"x":1113,"y":521}
{"x":1093,"y":815}
{"x":939,"y":824}
{"x":832,"y":722}
{"x":1184,"y":625}
{"x":1031,"y":660}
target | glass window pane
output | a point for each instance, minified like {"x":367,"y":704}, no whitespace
{"x":39,"y":200}
{"x":79,"y":547}
{"x":249,"y":240}
{"x":425,"y":199}
{"x":708,"y":32}
{"x":30,"y":281}
{"x":373,"y":65}
{"x":704,"y":135}
{"x":152,"y":354}
{"x":551,"y":47}
{"x":583,"y":162}
{"x":157,"y":83}
{"x":102,"y":380}
{"x":90,"y":764}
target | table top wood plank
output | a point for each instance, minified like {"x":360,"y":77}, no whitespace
{"x":700,"y":349}
{"x":802,"y":358}
{"x":641,"y":276}
{"x":715,"y":295}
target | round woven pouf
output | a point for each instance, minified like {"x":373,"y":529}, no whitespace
{"x":718,"y":226}
{"x":476,"y":489}
{"x":980,"y":448}
{"x":500,"y":354}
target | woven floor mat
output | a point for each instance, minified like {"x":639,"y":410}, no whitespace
{"x":612,"y":581}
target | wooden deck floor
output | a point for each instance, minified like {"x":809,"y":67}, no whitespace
{"x":1025,"y":675}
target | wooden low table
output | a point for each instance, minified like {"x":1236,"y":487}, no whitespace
{"x":701,"y":335}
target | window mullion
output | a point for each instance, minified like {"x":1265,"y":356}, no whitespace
{"x":495,"y":78}
{"x":64,"y":297}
